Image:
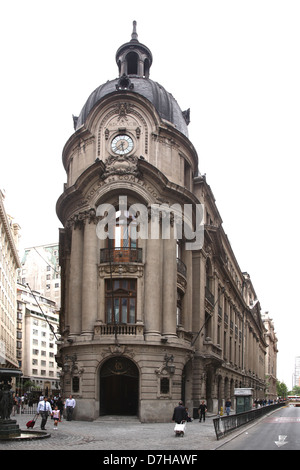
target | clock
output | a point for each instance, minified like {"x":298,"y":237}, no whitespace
{"x":122,"y":144}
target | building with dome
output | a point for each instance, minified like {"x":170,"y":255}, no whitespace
{"x":150,"y":312}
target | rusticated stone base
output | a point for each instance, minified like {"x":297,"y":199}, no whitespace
{"x":9,"y":429}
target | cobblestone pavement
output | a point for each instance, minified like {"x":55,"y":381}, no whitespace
{"x":116,"y":434}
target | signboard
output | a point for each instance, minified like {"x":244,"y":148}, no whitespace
{"x":245,"y":392}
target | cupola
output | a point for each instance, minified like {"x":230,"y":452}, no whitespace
{"x":133,"y":58}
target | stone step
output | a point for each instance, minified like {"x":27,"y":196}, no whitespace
{"x":119,"y":418}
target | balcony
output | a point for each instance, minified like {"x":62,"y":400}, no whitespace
{"x":209,"y":296}
{"x":120,"y":329}
{"x":181,"y":267}
{"x":121,"y":255}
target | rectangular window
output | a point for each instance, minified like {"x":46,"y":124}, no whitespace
{"x":164,"y":385}
{"x":121,"y":294}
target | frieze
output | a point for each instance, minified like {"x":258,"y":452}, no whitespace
{"x":79,"y":217}
{"x":120,"y":269}
{"x":126,"y":178}
{"x":117,"y":350}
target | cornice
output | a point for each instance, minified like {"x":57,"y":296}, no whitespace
{"x":8,"y":232}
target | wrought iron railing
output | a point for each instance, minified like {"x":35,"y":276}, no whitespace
{"x":226,"y":424}
{"x":121,"y":255}
{"x":209,"y":296}
{"x":181,"y":267}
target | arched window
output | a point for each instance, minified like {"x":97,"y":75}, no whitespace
{"x":146,"y":68}
{"x":124,"y":242}
{"x":132,"y":63}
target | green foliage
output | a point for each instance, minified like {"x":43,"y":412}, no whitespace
{"x":282,"y":390}
{"x":295,"y":390}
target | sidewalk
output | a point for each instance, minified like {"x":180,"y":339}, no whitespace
{"x":116,"y":433}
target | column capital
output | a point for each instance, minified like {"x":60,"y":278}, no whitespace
{"x":78,"y":220}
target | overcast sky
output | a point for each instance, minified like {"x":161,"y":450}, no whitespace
{"x":234,"y":63}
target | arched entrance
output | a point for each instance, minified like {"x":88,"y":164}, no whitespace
{"x":119,"y":387}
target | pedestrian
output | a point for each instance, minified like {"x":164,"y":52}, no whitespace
{"x":179,"y":413}
{"x":60,"y":405}
{"x":201,"y":411}
{"x":56,"y":416}
{"x":228,"y":406}
{"x":17,"y":403}
{"x":44,"y":409}
{"x":69,"y":406}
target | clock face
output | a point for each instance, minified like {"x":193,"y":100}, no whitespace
{"x":122,"y":144}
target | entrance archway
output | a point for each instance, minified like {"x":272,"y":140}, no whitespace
{"x":119,"y":387}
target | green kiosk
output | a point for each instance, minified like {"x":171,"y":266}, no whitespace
{"x":243,"y":399}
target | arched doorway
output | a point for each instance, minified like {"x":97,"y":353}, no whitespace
{"x":119,"y":387}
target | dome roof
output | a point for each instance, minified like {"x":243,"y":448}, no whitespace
{"x":134,"y":61}
{"x":165,"y":104}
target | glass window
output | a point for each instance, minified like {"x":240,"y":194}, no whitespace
{"x":121,"y":293}
{"x":124,"y":242}
{"x":164,"y":385}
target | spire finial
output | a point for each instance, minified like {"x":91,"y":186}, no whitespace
{"x":134,"y":36}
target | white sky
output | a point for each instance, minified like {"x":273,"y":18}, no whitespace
{"x":234,"y":63}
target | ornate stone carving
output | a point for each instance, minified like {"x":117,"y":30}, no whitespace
{"x":78,"y":220}
{"x":121,"y":165}
{"x":120,"y":269}
{"x":124,"y":83}
{"x":117,"y":350}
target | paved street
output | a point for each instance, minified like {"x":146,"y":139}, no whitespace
{"x":116,"y":434}
{"x":122,"y":434}
{"x":277,"y":431}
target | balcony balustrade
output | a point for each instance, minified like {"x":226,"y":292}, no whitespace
{"x":181,"y":267}
{"x":121,"y":255}
{"x":120,"y":329}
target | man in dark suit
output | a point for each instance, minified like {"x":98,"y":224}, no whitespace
{"x":180,"y":413}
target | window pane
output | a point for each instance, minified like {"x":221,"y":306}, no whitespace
{"x":125,"y":237}
{"x":132,"y":285}
{"x":124,"y":310}
{"x":132,"y":311}
{"x":117,"y":310}
{"x":133,"y":236}
{"x":108,"y":310}
{"x":118,"y":237}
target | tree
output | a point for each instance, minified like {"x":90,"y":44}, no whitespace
{"x":28,"y":385}
{"x":296,"y":390}
{"x":282,"y":390}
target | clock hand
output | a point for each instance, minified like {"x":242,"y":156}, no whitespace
{"x":120,"y":146}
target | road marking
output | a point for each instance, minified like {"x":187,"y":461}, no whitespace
{"x":282,"y":419}
{"x":281,"y":441}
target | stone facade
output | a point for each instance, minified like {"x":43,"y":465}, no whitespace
{"x":144,"y":320}
{"x":38,"y":321}
{"x":9,"y":263}
{"x":40,"y":269}
{"x":271,"y":357}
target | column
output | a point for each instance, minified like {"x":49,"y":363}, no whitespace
{"x":153,"y":281}
{"x":169,"y":287}
{"x":75,"y":285}
{"x":101,"y":289}
{"x":188,"y":296}
{"x":90,"y":275}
